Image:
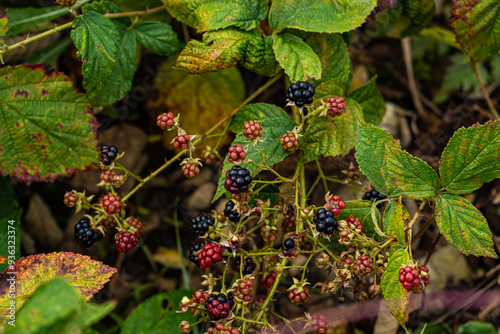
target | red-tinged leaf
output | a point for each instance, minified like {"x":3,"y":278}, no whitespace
{"x":2,"y":259}
{"x":47,"y":128}
{"x":86,"y":275}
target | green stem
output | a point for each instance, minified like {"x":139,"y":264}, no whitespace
{"x":321,"y":175}
{"x":273,"y":289}
{"x":185,"y":274}
{"x":384,"y":245}
{"x":320,"y":244}
{"x":491,"y":106}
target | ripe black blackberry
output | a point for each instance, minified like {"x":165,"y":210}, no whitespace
{"x":248,"y":265}
{"x":288,"y":243}
{"x":374,"y":195}
{"x":84,"y":234}
{"x":108,"y":154}
{"x":201,"y":223}
{"x":325,"y":221}
{"x":218,"y":306}
{"x":193,"y":252}
{"x":231,"y":213}
{"x":237,"y":180}
{"x":301,"y":93}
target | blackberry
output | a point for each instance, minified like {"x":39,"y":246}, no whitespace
{"x":319,"y":324}
{"x":70,"y":199}
{"x":268,"y":281}
{"x":289,"y":243}
{"x":248,"y":265}
{"x":209,"y":255}
{"x":165,"y":120}
{"x":137,"y":224}
{"x":190,"y":169}
{"x":289,"y":141}
{"x":108,"y":176}
{"x":374,"y":195}
{"x":237,"y":180}
{"x":252,"y":129}
{"x":236,"y":153}
{"x":84,"y":234}
{"x":182,"y":141}
{"x":108,"y":154}
{"x":65,"y":3}
{"x":325,"y":221}
{"x":297,"y":296}
{"x":243,"y":290}
{"x":218,"y":306}
{"x":231,"y":213}
{"x":193,"y":252}
{"x":125,"y":241}
{"x":112,"y":203}
{"x":201,"y":223}
{"x":363,"y":266}
{"x":336,"y":105}
{"x":301,"y":93}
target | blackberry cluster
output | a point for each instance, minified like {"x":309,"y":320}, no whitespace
{"x":201,"y":223}
{"x":363,"y":266}
{"x":112,"y":203}
{"x":231,"y":213}
{"x":248,"y":265}
{"x":414,"y":279}
{"x":193,"y":253}
{"x":108,"y":154}
{"x":182,"y":141}
{"x":301,"y":93}
{"x":219,"y":306}
{"x":325,"y":221}
{"x":374,"y":195}
{"x":84,"y":234}
{"x":298,"y":297}
{"x":165,"y":120}
{"x":125,"y":241}
{"x":237,"y":180}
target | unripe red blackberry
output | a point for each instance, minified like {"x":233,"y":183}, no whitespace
{"x":136,"y":223}
{"x":165,"y":120}
{"x":289,"y":141}
{"x":125,"y":241}
{"x":252,"y":129}
{"x":190,"y":169}
{"x":336,"y":105}
{"x":409,"y":277}
{"x":199,"y":297}
{"x":299,"y":296}
{"x":182,"y":141}
{"x":243,"y":290}
{"x":118,"y":181}
{"x":268,"y":281}
{"x":209,"y":255}
{"x":112,"y":203}
{"x":335,"y":204}
{"x":70,"y":199}
{"x":107,"y":176}
{"x":65,"y":3}
{"x":208,"y":157}
{"x":354,"y":225}
{"x":319,"y":324}
{"x":362,"y":266}
{"x":236,"y":153}
{"x":268,"y":233}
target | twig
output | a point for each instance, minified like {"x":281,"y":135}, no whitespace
{"x":484,"y":91}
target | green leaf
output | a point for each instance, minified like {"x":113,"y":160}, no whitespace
{"x":395,"y":214}
{"x":56,"y":307}
{"x":332,"y":137}
{"x":441,"y":34}
{"x":219,"y":50}
{"x":104,"y":7}
{"x":477,"y":27}
{"x":273,"y":153}
{"x":120,"y":82}
{"x":3,"y":27}
{"x":47,"y":128}
{"x":361,"y":210}
{"x":158,"y":37}
{"x":471,"y":158}
{"x":298,"y":59}
{"x":372,"y":156}
{"x":412,"y":176}
{"x":417,"y":13}
{"x":21,"y":19}
{"x":394,"y":294}
{"x":256,"y":112}
{"x":476,"y":327}
{"x":257,"y":55}
{"x":463,"y":226}
{"x":10,"y":218}
{"x":208,"y":15}
{"x":324,"y":16}
{"x":371,"y":100}
{"x":96,"y":40}
{"x":158,"y":314}
{"x":268,"y":192}
{"x":334,"y":56}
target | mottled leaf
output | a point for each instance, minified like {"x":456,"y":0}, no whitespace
{"x":10,"y":230}
{"x":334,"y":56}
{"x":477,"y":26}
{"x":256,"y":112}
{"x":96,"y":40}
{"x":416,"y":15}
{"x":331,"y":137}
{"x":56,"y":307}
{"x":324,"y":16}
{"x":371,"y":100}
{"x":371,"y":155}
{"x":3,"y":29}
{"x":105,"y":7}
{"x":361,"y":210}
{"x":394,"y":294}
{"x":158,"y":37}
{"x":257,"y":55}
{"x":471,"y":158}
{"x":412,"y":176}
{"x":273,"y":129}
{"x":158,"y":314}
{"x":208,"y":15}
{"x":395,"y":214}
{"x":47,"y":129}
{"x":21,"y":19}
{"x":463,"y":226}
{"x":86,"y":275}
{"x":298,"y":59}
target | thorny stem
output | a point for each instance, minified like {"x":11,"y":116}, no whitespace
{"x":321,"y":175}
{"x":273,"y":289}
{"x":484,"y":91}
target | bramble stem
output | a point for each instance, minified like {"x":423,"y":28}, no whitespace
{"x":484,"y":91}
{"x":273,"y":289}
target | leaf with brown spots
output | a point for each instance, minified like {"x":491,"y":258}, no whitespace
{"x":477,"y":26}
{"x":3,"y":29}
{"x":86,"y":275}
{"x":463,"y":226}
{"x":395,"y":214}
{"x":471,"y":158}
{"x":412,"y":176}
{"x":47,"y":128}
